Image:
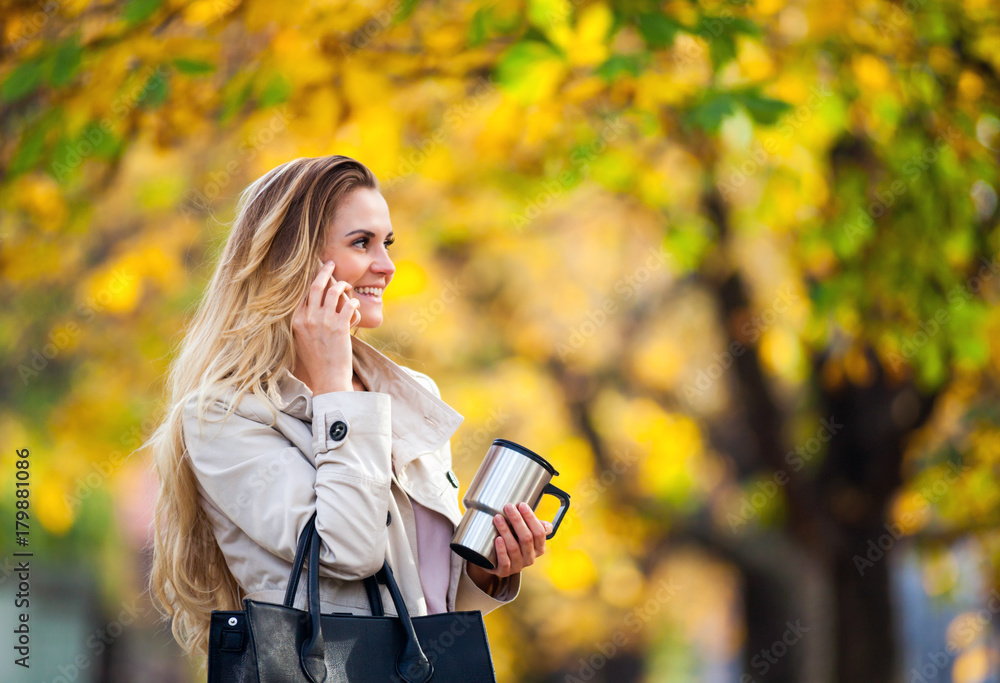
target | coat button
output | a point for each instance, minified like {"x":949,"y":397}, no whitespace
{"x":452,"y":478}
{"x":388,"y":517}
{"x":338,"y":430}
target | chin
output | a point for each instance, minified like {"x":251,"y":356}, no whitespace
{"x":370,"y":322}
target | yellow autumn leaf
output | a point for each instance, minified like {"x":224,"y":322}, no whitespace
{"x":50,"y":505}
{"x":587,"y":45}
{"x":570,"y":571}
{"x":871,"y":72}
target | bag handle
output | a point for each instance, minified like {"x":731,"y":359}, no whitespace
{"x":412,"y":664}
{"x":300,"y":553}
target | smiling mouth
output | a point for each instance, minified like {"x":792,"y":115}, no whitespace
{"x":371,"y":294}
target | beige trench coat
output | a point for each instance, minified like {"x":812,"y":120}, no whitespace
{"x":334,"y":454}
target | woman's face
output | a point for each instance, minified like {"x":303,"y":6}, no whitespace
{"x":357,"y":242}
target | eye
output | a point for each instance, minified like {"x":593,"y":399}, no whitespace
{"x":364,"y":242}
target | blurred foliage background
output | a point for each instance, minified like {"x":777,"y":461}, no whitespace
{"x":730,"y":266}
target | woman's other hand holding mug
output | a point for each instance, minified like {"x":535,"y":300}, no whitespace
{"x":520,"y":541}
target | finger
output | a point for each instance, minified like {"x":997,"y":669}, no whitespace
{"x":548,"y":526}
{"x":333,"y":302}
{"x":347,"y":311}
{"x":513,"y":548}
{"x":503,"y":559}
{"x":535,"y":527}
{"x":524,"y":537}
{"x":318,"y":287}
{"x":345,"y":292}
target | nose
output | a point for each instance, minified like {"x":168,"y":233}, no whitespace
{"x":383,"y":265}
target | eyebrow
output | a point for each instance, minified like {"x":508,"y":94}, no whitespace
{"x":367,"y":232}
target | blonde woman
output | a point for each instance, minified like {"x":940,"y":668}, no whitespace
{"x":277,"y":410}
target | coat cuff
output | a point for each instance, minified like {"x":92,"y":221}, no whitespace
{"x":471,"y":597}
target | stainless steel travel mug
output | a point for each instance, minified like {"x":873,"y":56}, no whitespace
{"x":510,"y":473}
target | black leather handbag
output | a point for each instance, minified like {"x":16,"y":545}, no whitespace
{"x":268,"y":643}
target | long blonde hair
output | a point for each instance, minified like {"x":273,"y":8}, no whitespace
{"x":239,"y":339}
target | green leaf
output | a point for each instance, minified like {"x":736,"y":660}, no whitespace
{"x":194,"y":67}
{"x":104,"y":143}
{"x":763,"y":109}
{"x":740,"y":25}
{"x":477,"y":27}
{"x":710,"y":26}
{"x":154,"y":92}
{"x":517,"y":68}
{"x":236,"y":94}
{"x":22,"y":81}
{"x":520,"y":57}
{"x":275,"y":91}
{"x":66,"y":63}
{"x":657,"y":29}
{"x":29,"y":151}
{"x":406,"y":8}
{"x":720,"y":34}
{"x":621,"y":64}
{"x":139,"y":10}
{"x":974,"y":351}
{"x":709,"y":114}
{"x":721,"y":49}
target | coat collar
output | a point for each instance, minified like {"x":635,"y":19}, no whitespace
{"x":421,"y":422}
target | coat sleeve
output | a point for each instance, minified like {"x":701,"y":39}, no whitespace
{"x":471,"y":597}
{"x":268,"y":488}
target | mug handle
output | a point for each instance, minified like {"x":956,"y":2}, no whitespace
{"x":562,"y":496}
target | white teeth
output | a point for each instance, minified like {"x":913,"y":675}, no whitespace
{"x":374,"y":291}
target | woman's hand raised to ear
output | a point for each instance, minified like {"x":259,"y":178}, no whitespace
{"x":321,"y":330}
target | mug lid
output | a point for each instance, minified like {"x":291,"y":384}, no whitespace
{"x":527,"y":452}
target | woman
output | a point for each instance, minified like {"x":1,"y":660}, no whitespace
{"x":278,"y":411}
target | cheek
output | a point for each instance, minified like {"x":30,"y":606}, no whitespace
{"x":347,"y":265}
